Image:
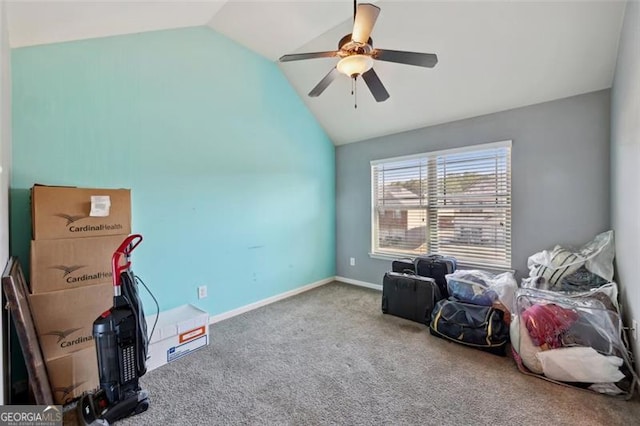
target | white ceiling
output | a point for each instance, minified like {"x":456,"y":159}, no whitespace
{"x":493,"y":56}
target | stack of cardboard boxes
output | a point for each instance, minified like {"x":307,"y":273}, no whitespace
{"x":75,"y":232}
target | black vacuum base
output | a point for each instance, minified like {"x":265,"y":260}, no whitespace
{"x":95,"y":410}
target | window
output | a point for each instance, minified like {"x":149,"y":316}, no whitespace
{"x":455,"y":202}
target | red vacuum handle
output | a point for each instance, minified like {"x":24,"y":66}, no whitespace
{"x":124,"y":250}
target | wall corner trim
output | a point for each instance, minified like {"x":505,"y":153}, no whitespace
{"x":269,"y":300}
{"x":359,"y":283}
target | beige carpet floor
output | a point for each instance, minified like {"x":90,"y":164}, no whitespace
{"x":329,"y":356}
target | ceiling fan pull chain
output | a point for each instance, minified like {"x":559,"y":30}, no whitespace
{"x":355,"y":93}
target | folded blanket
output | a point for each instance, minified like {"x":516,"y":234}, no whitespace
{"x":580,"y":364}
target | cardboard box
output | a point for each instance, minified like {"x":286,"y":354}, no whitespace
{"x":71,"y":262}
{"x":73,"y":374}
{"x":179,"y":332}
{"x":64,"y":319}
{"x":67,"y":212}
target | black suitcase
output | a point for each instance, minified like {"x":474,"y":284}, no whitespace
{"x":481,"y":327}
{"x":436,"y":267}
{"x":409,"y":296}
{"x":403,"y":266}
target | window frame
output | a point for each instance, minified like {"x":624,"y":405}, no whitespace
{"x":430,"y":155}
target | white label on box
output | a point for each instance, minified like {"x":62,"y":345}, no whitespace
{"x":100,"y":205}
{"x":182,"y":350}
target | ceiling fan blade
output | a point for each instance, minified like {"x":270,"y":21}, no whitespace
{"x":300,"y":56}
{"x":324,"y":83}
{"x":375,"y":85}
{"x":428,"y":60}
{"x":366,"y":16}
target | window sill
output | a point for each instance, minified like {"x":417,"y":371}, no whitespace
{"x":380,"y":256}
{"x":461,"y":265}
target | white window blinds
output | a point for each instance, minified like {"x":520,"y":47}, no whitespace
{"x":400,"y":190}
{"x":455,"y":203}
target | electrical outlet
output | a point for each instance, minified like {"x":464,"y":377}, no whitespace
{"x":634,"y":329}
{"x":352,"y":261}
{"x":202,"y":292}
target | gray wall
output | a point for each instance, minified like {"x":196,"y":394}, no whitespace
{"x":625,"y":162}
{"x":560,"y":177}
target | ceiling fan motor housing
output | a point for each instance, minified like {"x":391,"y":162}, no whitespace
{"x":347,"y":46}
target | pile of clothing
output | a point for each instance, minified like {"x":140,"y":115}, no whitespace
{"x":566,"y":324}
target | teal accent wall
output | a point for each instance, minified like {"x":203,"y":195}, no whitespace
{"x":232,"y":177}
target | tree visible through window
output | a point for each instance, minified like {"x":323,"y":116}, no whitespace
{"x":455,"y":202}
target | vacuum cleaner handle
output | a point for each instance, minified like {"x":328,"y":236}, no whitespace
{"x":124,"y":250}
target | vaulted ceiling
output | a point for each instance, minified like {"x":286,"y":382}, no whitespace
{"x":493,"y":56}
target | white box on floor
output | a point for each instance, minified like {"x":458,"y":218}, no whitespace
{"x":178,"y":332}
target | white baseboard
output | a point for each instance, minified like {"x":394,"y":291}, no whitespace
{"x":264,"y":302}
{"x":359,"y":283}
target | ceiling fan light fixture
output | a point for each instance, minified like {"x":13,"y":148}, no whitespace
{"x":357,"y":54}
{"x":355,"y":65}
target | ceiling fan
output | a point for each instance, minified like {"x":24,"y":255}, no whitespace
{"x":356,"y":53}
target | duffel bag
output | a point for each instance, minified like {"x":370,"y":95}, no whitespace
{"x":481,"y":327}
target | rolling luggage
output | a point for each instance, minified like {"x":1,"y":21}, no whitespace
{"x":409,"y":296}
{"x":436,"y":267}
{"x":481,"y":327}
{"x":403,"y":266}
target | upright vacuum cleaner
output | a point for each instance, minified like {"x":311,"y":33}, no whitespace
{"x":120,"y":334}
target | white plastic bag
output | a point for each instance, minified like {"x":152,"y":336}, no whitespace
{"x":482,"y":287}
{"x":599,"y":254}
{"x":560,"y":263}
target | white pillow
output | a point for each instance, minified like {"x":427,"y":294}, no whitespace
{"x":580,"y":364}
